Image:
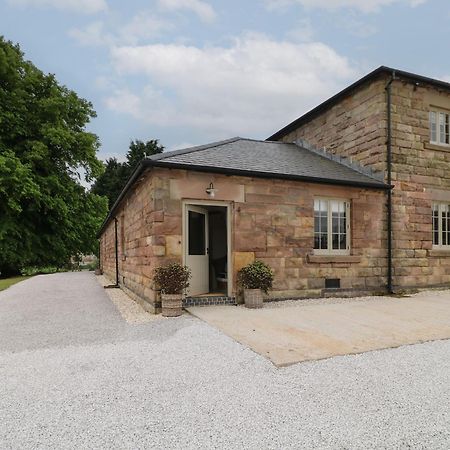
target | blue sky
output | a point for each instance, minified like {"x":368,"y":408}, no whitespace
{"x":189,"y":72}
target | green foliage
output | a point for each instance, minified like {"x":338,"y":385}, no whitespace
{"x":116,"y":174}
{"x":46,"y":216}
{"x":89,"y":266}
{"x":111,"y":182}
{"x":256,"y":275}
{"x":30,"y":271}
{"x":173,"y":278}
{"x":140,"y":150}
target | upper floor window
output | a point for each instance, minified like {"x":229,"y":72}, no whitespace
{"x":441,"y":225}
{"x":439,"y":128}
{"x":331,"y":226}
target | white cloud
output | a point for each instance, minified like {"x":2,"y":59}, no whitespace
{"x":356,"y":27}
{"x":365,"y":6}
{"x":303,"y":31}
{"x":181,"y":145}
{"x":142,"y":26}
{"x":92,"y":35}
{"x":80,"y":6}
{"x":203,"y":10}
{"x":249,"y":88}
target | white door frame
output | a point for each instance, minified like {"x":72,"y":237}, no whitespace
{"x":198,"y":262}
{"x":226,"y":205}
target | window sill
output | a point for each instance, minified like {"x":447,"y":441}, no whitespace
{"x":327,"y":259}
{"x":439,"y":252}
{"x":439,"y":147}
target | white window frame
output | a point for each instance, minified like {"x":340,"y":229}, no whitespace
{"x":438,"y":114}
{"x":330,"y":250}
{"x":440,"y":207}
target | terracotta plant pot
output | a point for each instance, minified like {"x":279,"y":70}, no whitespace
{"x":253,"y":298}
{"x":172,"y":305}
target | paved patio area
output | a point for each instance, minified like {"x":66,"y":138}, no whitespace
{"x":291,"y":334}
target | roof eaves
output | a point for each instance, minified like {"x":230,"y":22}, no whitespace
{"x":375,"y":184}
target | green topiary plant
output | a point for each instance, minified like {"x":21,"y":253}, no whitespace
{"x":172,"y":278}
{"x":256,"y":275}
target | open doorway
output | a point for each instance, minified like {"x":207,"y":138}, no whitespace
{"x":207,"y":249}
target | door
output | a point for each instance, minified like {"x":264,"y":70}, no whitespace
{"x":197,"y":258}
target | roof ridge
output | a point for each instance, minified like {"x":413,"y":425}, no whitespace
{"x":196,"y":148}
{"x":345,"y":161}
{"x":265,"y":141}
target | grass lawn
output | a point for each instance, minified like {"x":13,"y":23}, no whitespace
{"x":5,"y":283}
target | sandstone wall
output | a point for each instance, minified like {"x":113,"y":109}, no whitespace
{"x":421,"y":175}
{"x":356,"y":128}
{"x":272,"y":220}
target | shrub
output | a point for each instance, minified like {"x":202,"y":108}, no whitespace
{"x":172,"y":278}
{"x":256,"y":275}
{"x":29,"y":271}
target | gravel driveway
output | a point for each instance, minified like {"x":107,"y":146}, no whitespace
{"x":74,"y":374}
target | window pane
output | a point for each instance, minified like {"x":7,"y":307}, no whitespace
{"x":320,"y":224}
{"x":196,"y":232}
{"x":442,"y":128}
{"x":324,"y":237}
{"x":320,"y":241}
{"x":446,"y":137}
{"x":335,"y":207}
{"x":316,"y":206}
{"x":435,"y":224}
{"x":433,"y":134}
{"x":323,"y":241}
{"x":316,"y":241}
{"x":342,"y":224}
{"x":338,"y":220}
{"x":444,"y":227}
{"x":335,"y":223}
{"x":335,"y":242}
{"x":324,"y":223}
{"x":343,"y":241}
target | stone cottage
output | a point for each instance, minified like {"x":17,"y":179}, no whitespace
{"x":353,"y":196}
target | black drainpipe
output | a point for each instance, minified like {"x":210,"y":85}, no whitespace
{"x":389,"y":182}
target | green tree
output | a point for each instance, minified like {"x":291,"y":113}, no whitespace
{"x":46,"y":215}
{"x":110,"y":183}
{"x":116,"y":174}
{"x":140,"y":150}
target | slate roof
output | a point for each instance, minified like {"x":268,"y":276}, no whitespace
{"x":252,"y":158}
{"x":266,"y":159}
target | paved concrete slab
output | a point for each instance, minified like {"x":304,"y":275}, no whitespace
{"x":288,"y":335}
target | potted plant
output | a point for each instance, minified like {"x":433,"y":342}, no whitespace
{"x":172,"y":279}
{"x":255,"y":278}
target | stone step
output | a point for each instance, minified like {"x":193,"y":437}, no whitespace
{"x":208,"y":301}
